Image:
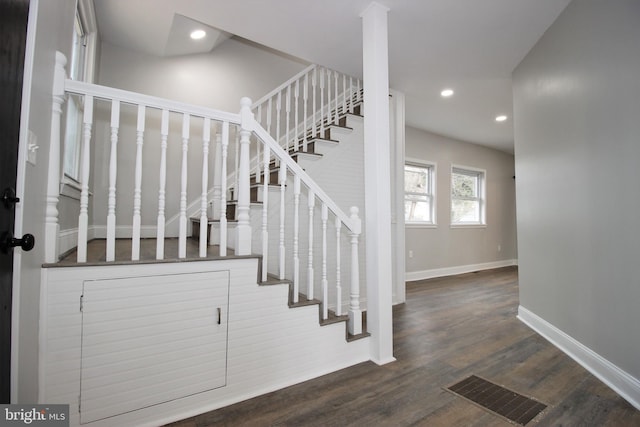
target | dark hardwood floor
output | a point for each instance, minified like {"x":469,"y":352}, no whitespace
{"x":449,"y":328}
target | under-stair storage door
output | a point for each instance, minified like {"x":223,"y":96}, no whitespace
{"x":149,"y":340}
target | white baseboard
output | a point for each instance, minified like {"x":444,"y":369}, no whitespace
{"x":461,"y":269}
{"x":620,"y":381}
{"x":68,"y":239}
{"x":126,"y":231}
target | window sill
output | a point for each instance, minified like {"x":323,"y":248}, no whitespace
{"x":71,"y":188}
{"x":419,"y":225}
{"x":468,"y":225}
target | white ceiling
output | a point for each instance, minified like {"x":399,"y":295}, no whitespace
{"x":471,"y":46}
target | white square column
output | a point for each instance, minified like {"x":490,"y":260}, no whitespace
{"x":377,"y":181}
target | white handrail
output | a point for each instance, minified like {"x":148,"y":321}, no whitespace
{"x":103,"y":92}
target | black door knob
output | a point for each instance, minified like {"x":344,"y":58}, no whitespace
{"x":7,"y":241}
{"x":8,"y":197}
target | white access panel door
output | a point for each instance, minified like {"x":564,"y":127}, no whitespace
{"x":149,"y":340}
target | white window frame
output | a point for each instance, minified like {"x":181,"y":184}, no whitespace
{"x":481,"y":197}
{"x":430,"y":192}
{"x":70,"y":184}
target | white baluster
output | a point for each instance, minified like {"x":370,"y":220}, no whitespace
{"x":296,"y":232}
{"x":182,"y":231}
{"x":322,"y":103}
{"x":311,"y":205}
{"x":359,"y":95}
{"x":259,"y":120}
{"x":206,"y":138}
{"x":259,"y":117}
{"x":305,"y":99}
{"x":224,"y":140}
{"x":164,"y":135}
{"x":351,"y":94}
{"x":355,"y":314}
{"x":269,"y":108}
{"x":243,"y":229}
{"x":113,"y":171}
{"x":296,"y":120}
{"x":237,"y":166}
{"x":325,"y":283}
{"x":288,"y":113}
{"x":344,"y":94}
{"x":278,"y":109}
{"x":137,"y":191}
{"x":217,"y":179}
{"x":338,"y":278}
{"x":329,"y":99}
{"x":265,"y":213}
{"x":335,"y":78}
{"x":52,"y":228}
{"x":314,"y":128}
{"x":83,"y":219}
{"x":282,"y":180}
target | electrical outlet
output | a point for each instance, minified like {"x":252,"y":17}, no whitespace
{"x":499,"y":248}
{"x":410,"y":254}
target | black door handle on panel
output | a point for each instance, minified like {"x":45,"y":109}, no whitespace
{"x":7,"y":242}
{"x":9,"y":198}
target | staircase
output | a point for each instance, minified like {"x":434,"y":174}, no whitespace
{"x":264,"y":192}
{"x":347,"y":129}
{"x":262,"y":200}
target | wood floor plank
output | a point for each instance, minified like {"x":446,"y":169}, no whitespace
{"x":449,"y":328}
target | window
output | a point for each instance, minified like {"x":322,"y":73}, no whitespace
{"x":467,"y":196}
{"x":419,"y":194}
{"x":78,"y":51}
{"x":74,"y":107}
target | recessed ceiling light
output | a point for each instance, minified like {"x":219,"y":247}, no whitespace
{"x":198,"y":34}
{"x":501,"y":118}
{"x":446,"y":93}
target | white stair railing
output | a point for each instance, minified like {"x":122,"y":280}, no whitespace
{"x":144,"y":105}
{"x":246,"y":126}
{"x":316,"y":197}
{"x":307,"y":108}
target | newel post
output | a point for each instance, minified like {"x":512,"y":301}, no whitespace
{"x":52,"y":228}
{"x":355,"y":313}
{"x":243,"y":229}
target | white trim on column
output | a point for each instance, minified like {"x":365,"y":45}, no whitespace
{"x":377,"y":178}
{"x":620,"y":381}
{"x":397,"y":155}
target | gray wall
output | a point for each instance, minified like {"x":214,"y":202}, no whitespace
{"x":217,"y":80}
{"x":444,"y":247}
{"x":577,"y":145}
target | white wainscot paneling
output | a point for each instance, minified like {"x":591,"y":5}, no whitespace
{"x":270,"y":346}
{"x":148,"y":340}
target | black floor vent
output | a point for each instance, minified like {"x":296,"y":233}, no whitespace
{"x":499,"y":400}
